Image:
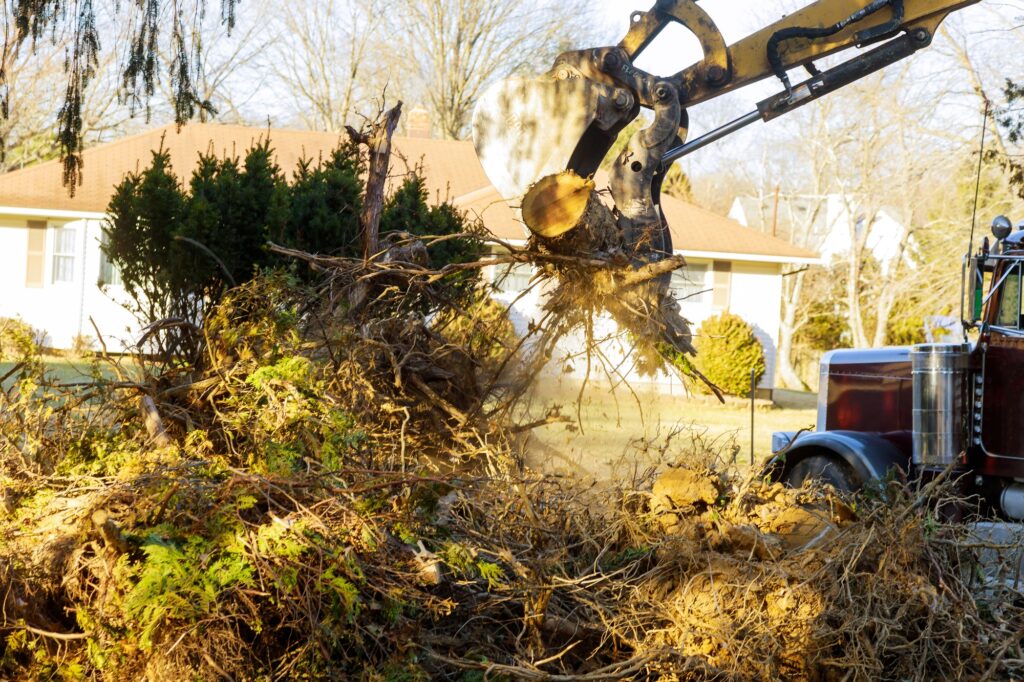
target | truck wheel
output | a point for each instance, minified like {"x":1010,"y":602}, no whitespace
{"x":825,"y":469}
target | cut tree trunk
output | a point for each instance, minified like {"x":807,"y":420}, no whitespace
{"x":564,"y":213}
{"x":378,"y":141}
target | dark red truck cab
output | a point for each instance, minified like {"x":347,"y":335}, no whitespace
{"x":915,"y":411}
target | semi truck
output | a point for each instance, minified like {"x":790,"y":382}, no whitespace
{"x":916,"y":412}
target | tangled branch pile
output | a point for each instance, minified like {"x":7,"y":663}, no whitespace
{"x":329,"y":494}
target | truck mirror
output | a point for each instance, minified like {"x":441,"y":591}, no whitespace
{"x":975,"y":289}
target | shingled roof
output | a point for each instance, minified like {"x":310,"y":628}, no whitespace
{"x":451,"y":171}
{"x":697,"y":230}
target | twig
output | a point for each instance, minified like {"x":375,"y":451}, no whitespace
{"x":615,"y":671}
{"x":63,"y":636}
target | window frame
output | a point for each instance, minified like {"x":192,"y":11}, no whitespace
{"x":699,"y":291}
{"x":57,"y":255}
{"x":1013,"y":272}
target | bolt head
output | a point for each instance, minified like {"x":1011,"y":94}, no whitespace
{"x":622,"y":99}
{"x":662,"y":91}
{"x":611,"y":61}
{"x":716,"y":75}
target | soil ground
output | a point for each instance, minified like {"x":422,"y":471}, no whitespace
{"x":605,"y":437}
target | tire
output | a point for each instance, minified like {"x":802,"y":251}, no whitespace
{"x":824,"y":468}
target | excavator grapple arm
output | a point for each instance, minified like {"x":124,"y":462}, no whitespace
{"x":525,"y":129}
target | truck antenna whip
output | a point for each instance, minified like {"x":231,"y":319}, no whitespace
{"x":974,"y":216}
{"x":977,"y":183}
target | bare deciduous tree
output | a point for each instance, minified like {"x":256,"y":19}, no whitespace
{"x":29,"y":23}
{"x":327,"y":58}
{"x":458,"y":47}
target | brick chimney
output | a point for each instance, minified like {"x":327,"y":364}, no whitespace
{"x":417,"y":122}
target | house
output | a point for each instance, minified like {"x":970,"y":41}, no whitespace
{"x":52,"y":267}
{"x":823,"y":223}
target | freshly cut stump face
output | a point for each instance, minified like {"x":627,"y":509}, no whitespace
{"x":556,"y":204}
{"x":565,"y":213}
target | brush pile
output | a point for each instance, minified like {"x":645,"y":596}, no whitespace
{"x":332,"y":492}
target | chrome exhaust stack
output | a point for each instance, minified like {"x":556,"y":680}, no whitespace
{"x":939,"y":403}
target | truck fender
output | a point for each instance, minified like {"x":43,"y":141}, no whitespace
{"x":871,"y":455}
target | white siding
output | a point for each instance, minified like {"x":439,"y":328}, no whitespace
{"x":757,"y":298}
{"x":62,"y":309}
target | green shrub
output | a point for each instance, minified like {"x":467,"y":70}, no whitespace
{"x":726,"y":352}
{"x":180,"y":244}
{"x":17,"y":340}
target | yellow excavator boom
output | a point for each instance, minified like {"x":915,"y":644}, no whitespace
{"x":727,"y":68}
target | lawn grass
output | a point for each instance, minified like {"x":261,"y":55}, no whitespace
{"x":62,"y":370}
{"x":603,"y":442}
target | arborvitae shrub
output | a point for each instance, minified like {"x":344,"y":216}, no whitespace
{"x":726,"y":352}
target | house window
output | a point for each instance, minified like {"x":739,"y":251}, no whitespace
{"x":110,"y":275}
{"x":513,"y":278}
{"x":1009,"y":299}
{"x":64,"y":254}
{"x":689,"y":284}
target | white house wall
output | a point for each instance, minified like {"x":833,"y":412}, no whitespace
{"x":756,"y":296}
{"x":61,"y":310}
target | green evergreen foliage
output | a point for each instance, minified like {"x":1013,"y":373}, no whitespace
{"x":148,"y":208}
{"x":180,"y":248}
{"x":323,"y":206}
{"x":727,"y":351}
{"x":407,"y":210}
{"x":1012,"y":121}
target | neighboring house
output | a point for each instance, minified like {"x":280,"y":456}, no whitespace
{"x":51,"y":266}
{"x":821,"y":223}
